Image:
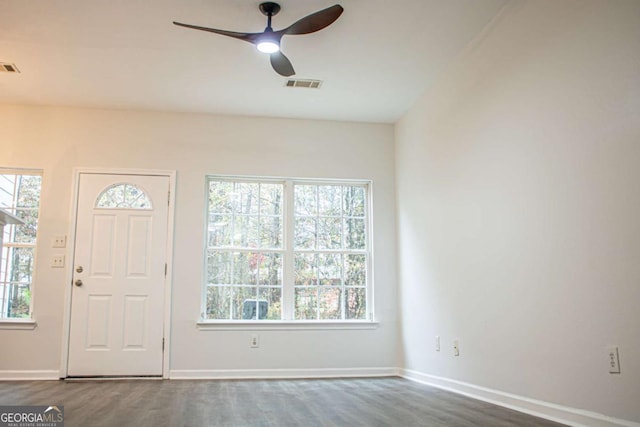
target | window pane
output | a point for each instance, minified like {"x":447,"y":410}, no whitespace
{"x":306,"y":200}
{"x":245,"y":268}
{"x":354,"y":234}
{"x":306,"y":303}
{"x":8,"y":232}
{"x":29,"y":191}
{"x":244,"y":303}
{"x":218,"y":302}
{"x":26,"y":233}
{"x":330,"y":269}
{"x":219,"y":230}
{"x":355,"y":270}
{"x":329,"y":233}
{"x":329,"y":200}
{"x":221,"y":197}
{"x":305,"y":233}
{"x":270,"y":270}
{"x":271,"y":232}
{"x":21,"y":264}
{"x":271,"y":199}
{"x":354,"y":201}
{"x":273,"y":297}
{"x":305,"y":270}
{"x":18,"y":299}
{"x":218,"y":267}
{"x":355,"y":303}
{"x":248,"y":198}
{"x":329,"y":303}
{"x":246,"y":233}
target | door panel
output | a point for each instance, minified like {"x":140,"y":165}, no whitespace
{"x":117,"y":302}
{"x":135,"y":322}
{"x":139,"y":246}
{"x":98,"y":309}
{"x":103,"y":245}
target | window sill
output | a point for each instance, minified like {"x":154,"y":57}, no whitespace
{"x":277,"y":325}
{"x":20,"y":324}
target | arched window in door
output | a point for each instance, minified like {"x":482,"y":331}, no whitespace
{"x":124,"y":196}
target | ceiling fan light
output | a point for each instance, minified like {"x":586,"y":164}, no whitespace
{"x":268,"y":46}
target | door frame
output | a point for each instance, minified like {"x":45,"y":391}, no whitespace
{"x":70,"y":255}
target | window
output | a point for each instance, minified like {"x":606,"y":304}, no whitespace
{"x":20,"y":196}
{"x":286,"y":250}
{"x":123,"y":196}
{"x":245,"y":250}
{"x":330,"y":254}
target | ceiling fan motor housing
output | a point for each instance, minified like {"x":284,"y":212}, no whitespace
{"x":269,"y":8}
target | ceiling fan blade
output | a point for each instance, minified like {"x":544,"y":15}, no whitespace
{"x":315,"y":21}
{"x":281,"y":64}
{"x":248,"y":37}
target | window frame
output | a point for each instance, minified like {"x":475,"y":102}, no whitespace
{"x":288,"y":252}
{"x":23,"y":322}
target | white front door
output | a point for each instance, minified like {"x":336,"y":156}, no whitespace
{"x":117,"y":302}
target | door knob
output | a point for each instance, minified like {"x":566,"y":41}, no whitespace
{"x":79,"y":269}
{"x":78,"y":282}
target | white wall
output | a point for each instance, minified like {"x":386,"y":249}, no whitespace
{"x":59,"y":139}
{"x":519,"y":209}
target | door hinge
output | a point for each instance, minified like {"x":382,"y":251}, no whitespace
{"x":162,"y":344}
{"x":165,"y":269}
{"x":169,"y":198}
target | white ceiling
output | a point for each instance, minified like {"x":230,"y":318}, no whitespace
{"x":375,"y":60}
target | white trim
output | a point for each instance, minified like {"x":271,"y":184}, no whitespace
{"x":19,"y":324}
{"x":85,"y":379}
{"x":29,"y":375}
{"x":276,"y":325}
{"x":218,"y":374}
{"x":20,"y":171}
{"x":166,"y":361}
{"x":538,"y":408}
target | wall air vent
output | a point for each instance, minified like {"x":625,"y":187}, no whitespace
{"x":309,"y":84}
{"x":5,"y":67}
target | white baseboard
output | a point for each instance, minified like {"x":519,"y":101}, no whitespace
{"x":538,"y":408}
{"x":28,"y":375}
{"x":219,"y":374}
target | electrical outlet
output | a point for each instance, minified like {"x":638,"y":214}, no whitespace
{"x":255,"y":341}
{"x":437,"y":343}
{"x":456,"y":348}
{"x":59,"y":242}
{"x":57,"y":261}
{"x":614,"y":360}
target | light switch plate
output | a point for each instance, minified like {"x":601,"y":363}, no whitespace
{"x":59,"y":242}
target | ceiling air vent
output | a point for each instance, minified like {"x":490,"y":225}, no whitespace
{"x":309,"y":84}
{"x":8,"y":68}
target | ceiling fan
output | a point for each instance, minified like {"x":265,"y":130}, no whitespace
{"x":268,"y":41}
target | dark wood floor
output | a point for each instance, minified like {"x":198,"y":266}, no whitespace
{"x":331,"y":402}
